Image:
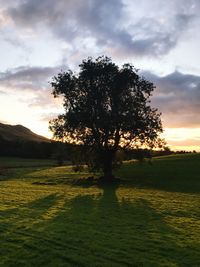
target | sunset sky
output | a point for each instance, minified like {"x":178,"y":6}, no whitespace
{"x":161,"y":38}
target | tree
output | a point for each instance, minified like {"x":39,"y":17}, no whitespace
{"x":106,"y":107}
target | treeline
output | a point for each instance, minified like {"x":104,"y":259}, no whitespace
{"x":62,"y":151}
{"x":31,"y":149}
{"x":74,"y":153}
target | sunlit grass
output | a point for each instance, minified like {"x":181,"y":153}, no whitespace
{"x":150,"y":219}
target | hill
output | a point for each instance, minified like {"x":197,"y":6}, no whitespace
{"x":19,"y":133}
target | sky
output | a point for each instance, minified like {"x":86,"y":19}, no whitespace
{"x":38,"y":39}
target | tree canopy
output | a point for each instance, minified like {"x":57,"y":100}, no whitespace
{"x":106,"y":107}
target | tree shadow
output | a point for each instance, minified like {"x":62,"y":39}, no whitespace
{"x":28,"y":214}
{"x":100,"y":230}
{"x":43,"y":203}
{"x":115,"y":233}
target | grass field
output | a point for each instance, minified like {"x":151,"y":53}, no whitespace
{"x":152,"y":218}
{"x":10,"y":162}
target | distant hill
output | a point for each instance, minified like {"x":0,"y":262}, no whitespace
{"x":19,"y":133}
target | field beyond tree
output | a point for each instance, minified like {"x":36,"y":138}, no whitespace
{"x":53,"y":216}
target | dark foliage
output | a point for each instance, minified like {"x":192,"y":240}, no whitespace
{"x":106,"y":107}
{"x":31,"y":149}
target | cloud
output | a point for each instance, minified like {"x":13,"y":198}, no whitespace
{"x":44,"y":99}
{"x":30,"y":84}
{"x":49,"y":116}
{"x":27,"y":78}
{"x":188,"y":142}
{"x":107,"y":23}
{"x":177,"y":96}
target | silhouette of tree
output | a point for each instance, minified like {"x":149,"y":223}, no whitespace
{"x":106,"y":107}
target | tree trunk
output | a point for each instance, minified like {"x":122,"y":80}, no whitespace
{"x":107,"y":171}
{"x":107,"y":165}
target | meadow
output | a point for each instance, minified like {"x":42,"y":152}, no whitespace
{"x":53,"y":216}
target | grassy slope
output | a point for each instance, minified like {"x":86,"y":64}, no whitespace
{"x":172,"y":173}
{"x":153,"y":219}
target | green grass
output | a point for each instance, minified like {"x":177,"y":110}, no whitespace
{"x":12,"y":162}
{"x":179,"y":173}
{"x":151,"y":219}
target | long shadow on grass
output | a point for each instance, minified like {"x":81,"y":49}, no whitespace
{"x":98,"y":230}
{"x":101,"y":231}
